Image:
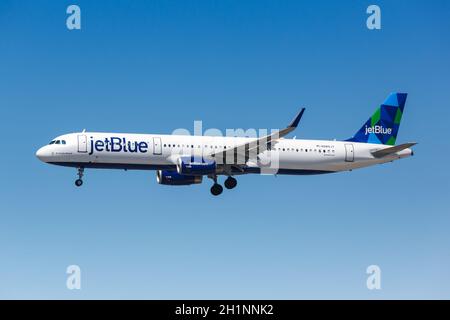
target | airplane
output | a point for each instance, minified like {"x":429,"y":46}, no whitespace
{"x":186,"y":160}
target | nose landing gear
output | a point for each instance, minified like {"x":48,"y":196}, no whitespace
{"x":79,"y":181}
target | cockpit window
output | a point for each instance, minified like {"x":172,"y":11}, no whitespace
{"x":58,"y":142}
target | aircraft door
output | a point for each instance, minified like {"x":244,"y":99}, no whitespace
{"x":82,"y":143}
{"x":157,"y":148}
{"x":349,"y":152}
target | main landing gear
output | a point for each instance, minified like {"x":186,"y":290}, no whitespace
{"x":79,"y":181}
{"x":230,"y":183}
{"x":217,"y":189}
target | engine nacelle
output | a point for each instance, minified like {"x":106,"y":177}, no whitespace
{"x":196,"y":166}
{"x":173,"y":178}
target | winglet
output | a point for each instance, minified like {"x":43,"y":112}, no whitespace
{"x":296,"y":120}
{"x":261,"y":143}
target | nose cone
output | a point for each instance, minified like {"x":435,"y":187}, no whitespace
{"x":43,"y":154}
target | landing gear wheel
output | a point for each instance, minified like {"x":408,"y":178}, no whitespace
{"x":230,"y":183}
{"x":216,"y":189}
{"x":79,"y":181}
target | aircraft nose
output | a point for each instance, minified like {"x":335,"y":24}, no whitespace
{"x":42,"y":154}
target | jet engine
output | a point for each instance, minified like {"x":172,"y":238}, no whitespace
{"x":173,"y":178}
{"x":196,"y":166}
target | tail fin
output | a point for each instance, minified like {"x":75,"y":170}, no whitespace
{"x":382,"y":127}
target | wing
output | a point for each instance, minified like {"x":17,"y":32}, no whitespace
{"x":258,"y":145}
{"x":387,"y":151}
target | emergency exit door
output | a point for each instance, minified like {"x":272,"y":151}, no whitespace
{"x":349,"y":152}
{"x":82,"y":143}
{"x":157,"y":148}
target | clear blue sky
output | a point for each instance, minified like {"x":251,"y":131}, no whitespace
{"x":154,"y":66}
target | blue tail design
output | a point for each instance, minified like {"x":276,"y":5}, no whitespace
{"x":382,"y":127}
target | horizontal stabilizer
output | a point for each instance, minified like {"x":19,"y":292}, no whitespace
{"x":384,"y":152}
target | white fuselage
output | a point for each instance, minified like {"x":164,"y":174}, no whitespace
{"x":157,"y":152}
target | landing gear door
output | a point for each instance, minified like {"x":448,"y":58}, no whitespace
{"x":157,"y":148}
{"x":82,"y":143}
{"x":349,"y":152}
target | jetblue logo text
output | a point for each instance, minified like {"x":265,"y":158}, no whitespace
{"x":116,"y":144}
{"x":378,"y":129}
